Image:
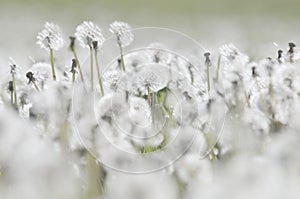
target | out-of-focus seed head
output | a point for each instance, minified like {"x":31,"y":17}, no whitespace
{"x":72,"y":42}
{"x":123,"y":32}
{"x":10,"y":86}
{"x":50,"y":37}
{"x":87,"y":33}
{"x":291,"y":47}
{"x":30,"y":76}
{"x":231,"y":53}
{"x":74,"y":66}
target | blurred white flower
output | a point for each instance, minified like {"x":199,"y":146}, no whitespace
{"x":152,"y":77}
{"x":21,"y":177}
{"x":42,"y":72}
{"x":257,"y":120}
{"x":50,"y":37}
{"x":123,"y":32}
{"x":157,"y":52}
{"x":139,"y":111}
{"x":147,"y":186}
{"x":87,"y":33}
{"x":231,"y":53}
{"x":185,"y":112}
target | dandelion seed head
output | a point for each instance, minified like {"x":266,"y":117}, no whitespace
{"x":111,"y":79}
{"x":139,"y":111}
{"x":42,"y":72}
{"x":152,"y":77}
{"x":231,"y":53}
{"x":157,"y":53}
{"x":88,"y":33}
{"x":123,"y":32}
{"x":50,"y":37}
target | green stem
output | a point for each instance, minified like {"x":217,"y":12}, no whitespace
{"x":245,"y":93}
{"x":218,"y":68}
{"x":208,"y":78}
{"x":191,"y":74}
{"x":78,"y":64}
{"x":98,"y":73}
{"x":36,"y":86}
{"x":122,"y":58}
{"x":52,"y":64}
{"x":95,"y":177}
{"x":65,"y":126}
{"x":73,"y":77}
{"x":92,"y":68}
{"x":15,"y":90}
{"x":12,"y":98}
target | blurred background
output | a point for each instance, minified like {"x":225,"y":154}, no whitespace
{"x":257,"y":27}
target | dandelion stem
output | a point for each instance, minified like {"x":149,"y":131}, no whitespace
{"x":98,"y":73}
{"x":52,"y":64}
{"x":245,"y":93}
{"x":191,"y":73}
{"x":122,"y":57}
{"x":208,"y":64}
{"x":36,"y":86}
{"x":12,"y":97}
{"x":78,"y":64}
{"x":15,"y":89}
{"x":73,"y":77}
{"x":92,"y":68}
{"x":65,"y":125}
{"x":218,"y":68}
{"x":208,"y":79}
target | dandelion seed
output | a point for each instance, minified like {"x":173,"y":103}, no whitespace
{"x":231,"y":53}
{"x":123,"y":33}
{"x":124,"y":36}
{"x":139,"y":111}
{"x":87,"y":33}
{"x":151,"y":79}
{"x":90,"y":36}
{"x":50,"y":37}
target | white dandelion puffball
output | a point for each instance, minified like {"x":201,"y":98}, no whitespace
{"x":42,"y":71}
{"x":139,"y":111}
{"x":232,"y":53}
{"x":50,"y":37}
{"x":153,"y":77}
{"x":87,"y":33}
{"x":123,"y":33}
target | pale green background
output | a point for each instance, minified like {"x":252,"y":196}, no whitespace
{"x":252,"y":25}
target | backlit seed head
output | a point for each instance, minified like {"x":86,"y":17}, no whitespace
{"x":50,"y":37}
{"x":123,"y":32}
{"x":87,"y":33}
